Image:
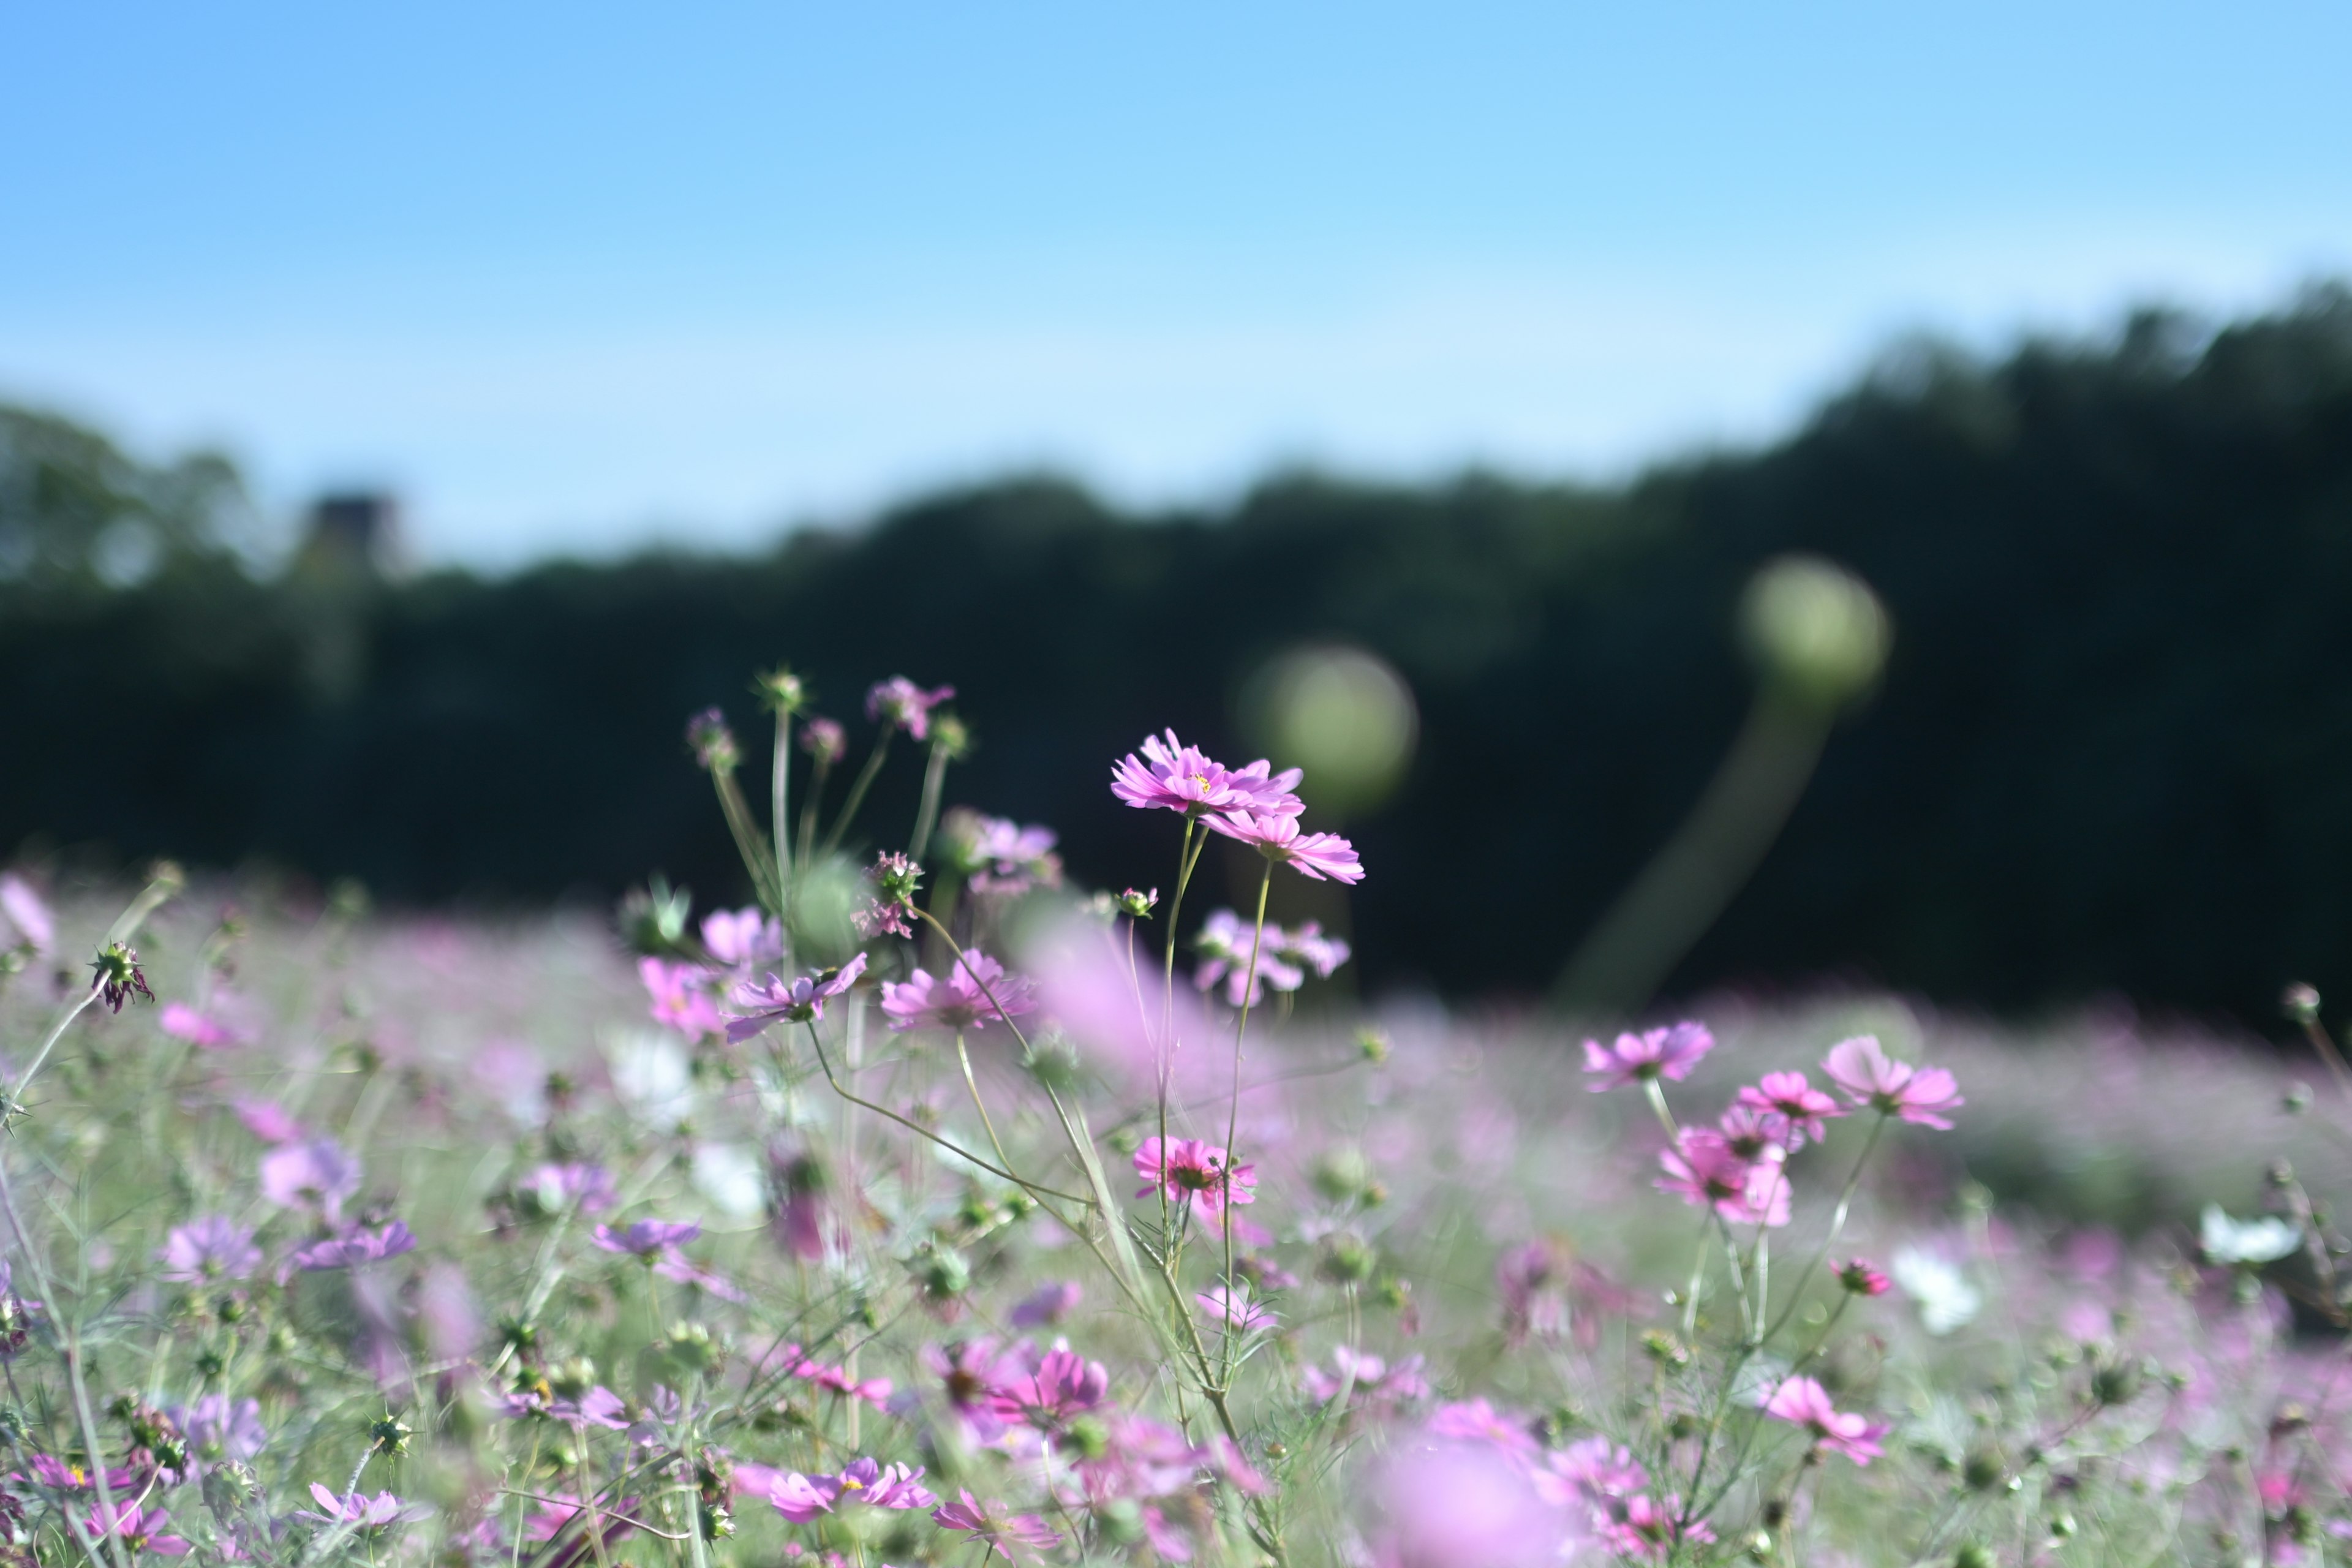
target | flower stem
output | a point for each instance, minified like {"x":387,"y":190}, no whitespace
{"x":780,"y":822}
{"x":857,"y":788}
{"x":927,"y":815}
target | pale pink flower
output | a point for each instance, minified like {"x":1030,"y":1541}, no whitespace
{"x":801,"y":1001}
{"x":1788,"y":1095}
{"x":1871,"y":1077}
{"x":183,"y":1022}
{"x":744,"y":936}
{"x":317,"y":1175}
{"x":1804,"y":1402}
{"x":1654,"y":1053}
{"x":1000,"y":1532}
{"x":977,"y":989}
{"x":140,"y":1529}
{"x":681,"y":997}
{"x":1189,"y":1170}
{"x":1754,"y":1134}
{"x":1702,"y":1169}
{"x":1647,"y":1528}
{"x":1236,"y":1308}
{"x":1325,"y":856}
{"x":25,"y":921}
{"x":1064,"y":1386}
{"x":900,"y":702}
{"x":212,"y":1247}
{"x":1174,"y":776}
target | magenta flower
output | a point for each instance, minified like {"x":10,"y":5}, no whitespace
{"x":354,"y":1247}
{"x":1754,"y":1134}
{"x":183,"y":1022}
{"x":212,"y":1247}
{"x":976,"y":990}
{"x":1806,"y":1403}
{"x":1891,"y":1088}
{"x":1046,"y":1305}
{"x":267,"y":1122}
{"x":1000,"y":1532}
{"x":1702,"y":1169}
{"x":1644,"y":1527}
{"x":797,"y":1002}
{"x":970,"y":1374}
{"x":558,"y":1187}
{"x":1862,"y":1278}
{"x":1173,"y":777}
{"x":1064,"y":1386}
{"x":1476,"y":1421}
{"x":1653,"y":1053}
{"x":823,"y":739}
{"x":356,"y":1509}
{"x":880,"y":1486}
{"x":1594,"y":1470}
{"x":140,"y":1529}
{"x":1191,"y":1171}
{"x":69,"y":1478}
{"x":1224,"y":944}
{"x":1788,"y":1096}
{"x":904,"y":705}
{"x":1325,"y":856}
{"x":746,"y":936}
{"x":317,"y":1175}
{"x":1237,"y":1309}
{"x":647,"y":1238}
{"x":801,"y":1497}
{"x":681,"y":997}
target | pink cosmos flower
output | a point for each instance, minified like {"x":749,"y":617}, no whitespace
{"x":1325,"y":856}
{"x":1805,"y":1403}
{"x":1000,"y":1532}
{"x":317,"y":1175}
{"x":1754,"y":1134}
{"x":801,"y":1497}
{"x":745,"y":936}
{"x":1452,"y":1504}
{"x":140,"y":1529}
{"x":1891,"y":1088}
{"x":647,"y":1238}
{"x":356,"y":1509}
{"x":267,"y":1122}
{"x":882,"y":1486}
{"x":1862,"y":1278}
{"x":589,"y":1188}
{"x":1788,"y":1096}
{"x":354,"y":1247}
{"x":681,"y":997}
{"x":1592,"y":1470}
{"x":220,"y":1428}
{"x":1237,"y":1309}
{"x":1191,"y":1171}
{"x":1476,"y":1421}
{"x":1702,"y":1169}
{"x":212,"y":1247}
{"x":1654,"y":1053}
{"x":1174,"y":776}
{"x":599,"y":1407}
{"x":801,"y":1001}
{"x":971,"y":1373}
{"x":977,"y":989}
{"x":1064,"y":1385}
{"x":25,"y":922}
{"x":1644,"y":1527}
{"x":1373,"y":1380}
{"x":1046,"y":1305}
{"x":904,"y":705}
{"x":1008,"y":859}
{"x":69,"y":1478}
{"x":183,"y":1022}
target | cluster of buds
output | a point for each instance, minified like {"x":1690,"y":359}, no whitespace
{"x":712,"y":743}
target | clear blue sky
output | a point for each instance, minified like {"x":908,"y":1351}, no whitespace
{"x":578,"y":277}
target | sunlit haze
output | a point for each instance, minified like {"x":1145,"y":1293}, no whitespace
{"x":583,"y":278}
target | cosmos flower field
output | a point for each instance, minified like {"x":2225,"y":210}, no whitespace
{"x":934,"y":1210}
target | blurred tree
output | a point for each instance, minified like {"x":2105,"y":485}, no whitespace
{"x":77,"y":512}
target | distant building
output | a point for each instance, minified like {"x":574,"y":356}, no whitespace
{"x":352,"y":536}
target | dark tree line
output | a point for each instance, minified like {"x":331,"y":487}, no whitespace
{"x":2108,"y":755}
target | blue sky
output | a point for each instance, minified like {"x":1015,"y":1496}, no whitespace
{"x":579,"y":277}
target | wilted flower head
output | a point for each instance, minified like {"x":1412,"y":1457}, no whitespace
{"x":977,"y":989}
{"x":116,"y":977}
{"x":1325,"y":856}
{"x":212,"y":1247}
{"x":712,"y":743}
{"x":1654,"y":1053}
{"x":904,"y":705}
{"x":316,"y":1176}
{"x":1871,"y":1077}
{"x":801,"y":1001}
{"x":1805,"y":1403}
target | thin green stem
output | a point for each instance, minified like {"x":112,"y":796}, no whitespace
{"x":927,"y":813}
{"x":780,"y":820}
{"x":1233,"y":1113}
{"x":818,"y":773}
{"x":972,"y":1083}
{"x":856,"y":797}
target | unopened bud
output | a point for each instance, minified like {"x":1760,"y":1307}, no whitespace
{"x":2297,"y":1099}
{"x":389,"y":1436}
{"x":1138,"y":906}
{"x":1815,"y":630}
{"x":2300,"y":1003}
{"x":712,"y":743}
{"x":782,"y":691}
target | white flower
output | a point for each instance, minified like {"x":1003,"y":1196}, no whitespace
{"x":2264,"y":1240}
{"x":653,"y":1076}
{"x":729,"y":1176}
{"x":1947,"y":1301}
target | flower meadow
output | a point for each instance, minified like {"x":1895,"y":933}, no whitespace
{"x":931,"y":1210}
